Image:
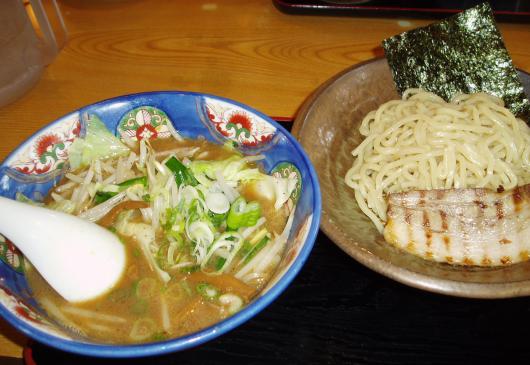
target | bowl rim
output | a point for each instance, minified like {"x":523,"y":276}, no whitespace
{"x":376,"y":263}
{"x":217,"y":329}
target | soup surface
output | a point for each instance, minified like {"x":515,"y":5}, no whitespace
{"x":203,"y":227}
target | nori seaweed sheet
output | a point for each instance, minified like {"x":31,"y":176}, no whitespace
{"x":464,"y":53}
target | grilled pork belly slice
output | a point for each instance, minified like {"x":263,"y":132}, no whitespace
{"x":477,"y":227}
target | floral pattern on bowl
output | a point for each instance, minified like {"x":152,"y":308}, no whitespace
{"x":241,"y":126}
{"x":24,"y":312}
{"x":11,"y":255}
{"x":145,"y":122}
{"x":47,"y":152}
{"x":287,"y":169}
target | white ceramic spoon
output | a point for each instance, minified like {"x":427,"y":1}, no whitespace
{"x":79,"y":259}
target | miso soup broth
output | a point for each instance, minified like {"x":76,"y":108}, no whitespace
{"x":141,"y":308}
{"x":203,"y":227}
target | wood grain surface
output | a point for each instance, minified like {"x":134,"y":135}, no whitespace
{"x":246,"y":50}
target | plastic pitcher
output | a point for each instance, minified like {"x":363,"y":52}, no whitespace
{"x":26,"y":44}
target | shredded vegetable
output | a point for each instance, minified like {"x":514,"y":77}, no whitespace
{"x":98,"y":143}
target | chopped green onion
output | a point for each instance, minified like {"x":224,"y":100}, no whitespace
{"x":254,"y":250}
{"x":142,"y":329}
{"x":161,"y":256}
{"x":207,"y":291}
{"x":160,"y":336}
{"x":258,"y":236}
{"x":217,"y":203}
{"x":139,"y":307}
{"x":176,"y":235}
{"x":220,"y":263}
{"x":190,"y":269}
{"x":217,"y":219}
{"x":134,"y":181}
{"x":171,"y":218}
{"x":182,"y":174}
{"x":102,"y":196}
{"x":242,"y":214}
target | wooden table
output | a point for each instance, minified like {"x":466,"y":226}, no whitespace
{"x":246,"y":50}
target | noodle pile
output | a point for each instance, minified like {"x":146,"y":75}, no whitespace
{"x":422,"y":142}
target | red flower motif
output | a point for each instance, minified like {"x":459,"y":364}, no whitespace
{"x":211,"y":116}
{"x":42,"y":170}
{"x":250,"y":143}
{"x":6,"y":290}
{"x":146,"y":131}
{"x":265,"y":138}
{"x":77,"y":129}
{"x":24,"y":169}
{"x":45,"y":142}
{"x":242,"y":120}
{"x":223,"y":131}
{"x":11,"y":247}
{"x":23,"y":312}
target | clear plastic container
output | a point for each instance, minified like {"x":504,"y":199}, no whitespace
{"x":28,"y":42}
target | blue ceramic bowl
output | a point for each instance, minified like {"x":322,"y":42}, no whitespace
{"x":39,"y":162}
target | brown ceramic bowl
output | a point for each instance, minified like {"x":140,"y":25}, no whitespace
{"x":327,"y":127}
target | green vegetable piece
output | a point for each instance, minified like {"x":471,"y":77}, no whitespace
{"x":242,"y":214}
{"x":254,"y":250}
{"x":176,"y":235}
{"x":245,"y":249}
{"x":171,"y":218}
{"x":190,"y":269}
{"x":220,"y":263}
{"x":102,"y":196}
{"x":252,"y":214}
{"x":207,"y":291}
{"x":140,"y":307}
{"x":217,"y":219}
{"x":136,"y":180}
{"x":160,"y":336}
{"x":182,"y":174}
{"x":98,"y":143}
{"x":161,"y":256}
